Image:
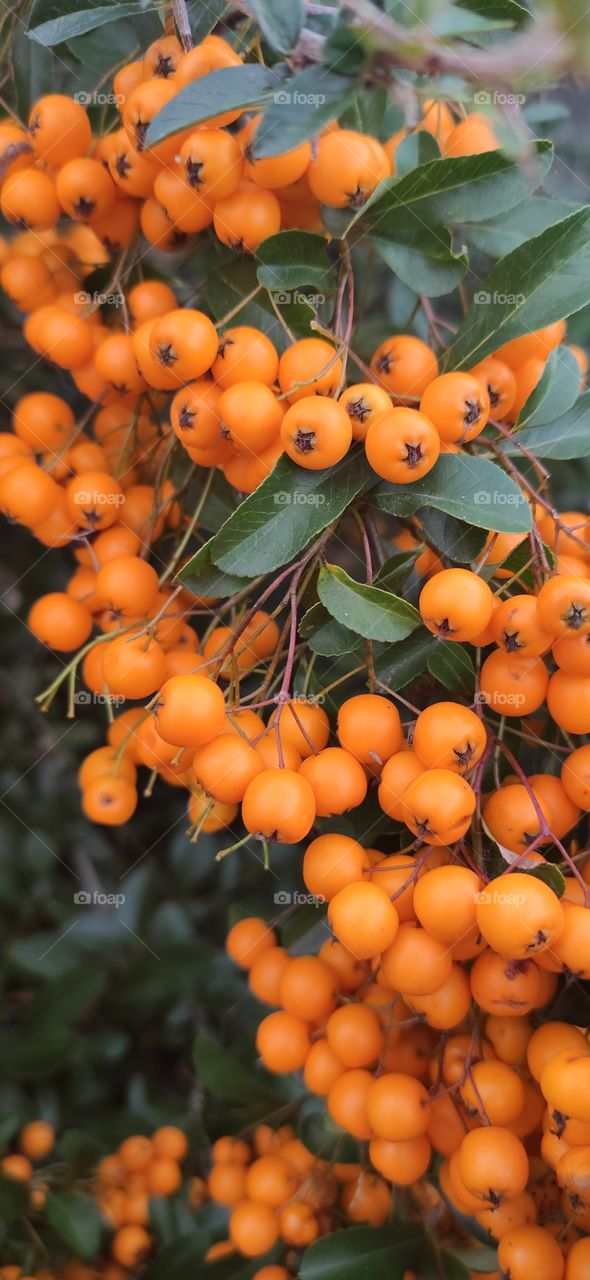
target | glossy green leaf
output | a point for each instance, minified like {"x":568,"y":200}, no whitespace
{"x":280,"y":23}
{"x":226,"y":1076}
{"x":375,"y":1253}
{"x":75,"y":1217}
{"x":283,"y":515}
{"x":229,"y":89}
{"x":370,"y":611}
{"x":299,"y":108}
{"x":542,"y":281}
{"x":472,"y":489}
{"x":451,"y":664}
{"x":506,"y":231}
{"x":294,"y":258}
{"x":567,"y":437}
{"x":399,"y":664}
{"x":58,"y":30}
{"x":555,"y":391}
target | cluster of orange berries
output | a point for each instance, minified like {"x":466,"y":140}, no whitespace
{"x":199,"y":177}
{"x":35,"y":1142}
{"x":141,"y":1167}
{"x":389,"y":1039}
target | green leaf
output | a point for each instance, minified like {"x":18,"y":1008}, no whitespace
{"x":567,"y":437}
{"x":293,"y":258}
{"x":484,"y":1259}
{"x":225,"y":1076}
{"x":503,"y":10}
{"x":14,"y":1199}
{"x":281,"y":24}
{"x":32,"y":70}
{"x":447,"y":192}
{"x":76,"y":1218}
{"x":205,"y":579}
{"x":370,"y":611}
{"x":451,"y":664}
{"x":472,"y":489}
{"x":422,"y":256}
{"x":57,"y":30}
{"x":301,"y":107}
{"x":230,"y":89}
{"x":371,"y":112}
{"x":555,"y":391}
{"x":404,"y":662}
{"x":551,"y":274}
{"x":327,"y":638}
{"x":178,"y":1259}
{"x":375,"y":1253}
{"x":416,"y":149}
{"x":453,"y":538}
{"x":501,"y":234}
{"x":551,"y":876}
{"x":283,"y":515}
{"x":395,"y":571}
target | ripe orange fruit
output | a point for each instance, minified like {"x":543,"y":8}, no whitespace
{"x":246,"y":217}
{"x":440,"y":805}
{"x":415,"y":962}
{"x":248,"y":939}
{"x":449,"y":736}
{"x":397,"y":1107}
{"x":404,"y":366}
{"x":399,"y":771}
{"x":308,"y":988}
{"x":363,"y":918}
{"x":309,"y":367}
{"x":563,"y":605}
{"x":364,"y":403}
{"x":402,"y":445}
{"x":283,"y":1042}
{"x":279,"y":805}
{"x":60,"y":622}
{"x":37,"y":1139}
{"x":456,"y":604}
{"x":519,"y":915}
{"x":346,"y":168}
{"x":337,"y":779}
{"x":131,"y":1245}
{"x":316,"y":432}
{"x":529,"y":1251}
{"x":133,"y":666}
{"x":493,"y":1164}
{"x":513,"y":686}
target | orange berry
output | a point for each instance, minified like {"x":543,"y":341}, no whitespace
{"x":404,"y":366}
{"x":456,"y":604}
{"x":363,"y":918}
{"x":283,"y":1042}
